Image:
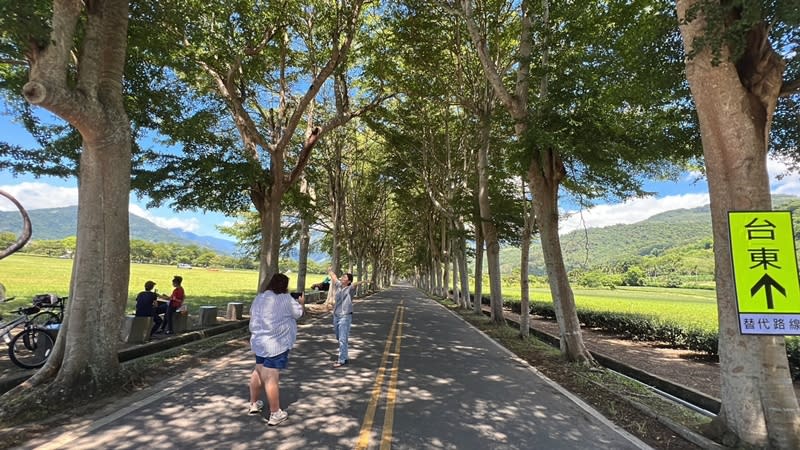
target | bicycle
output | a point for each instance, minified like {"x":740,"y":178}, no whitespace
{"x":47,"y":319}
{"x":31,"y":347}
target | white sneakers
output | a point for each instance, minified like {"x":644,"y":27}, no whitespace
{"x":256,"y":407}
{"x":277,"y":417}
{"x":274,"y":418}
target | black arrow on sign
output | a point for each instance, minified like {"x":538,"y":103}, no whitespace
{"x":767,"y":283}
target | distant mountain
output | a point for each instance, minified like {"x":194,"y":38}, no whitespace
{"x":317,"y":257}
{"x":607,"y":245}
{"x":220,"y":245}
{"x":59,"y":223}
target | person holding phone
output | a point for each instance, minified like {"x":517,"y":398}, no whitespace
{"x":342,"y":312}
{"x":273,"y":331}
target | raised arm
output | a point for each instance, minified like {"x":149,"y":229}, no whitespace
{"x":334,"y":278}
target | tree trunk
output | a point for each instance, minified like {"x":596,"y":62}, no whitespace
{"x":525,"y":250}
{"x":302,"y":257}
{"x":543,"y":178}
{"x":446,"y":255}
{"x":101,"y":269}
{"x":477,"y":305}
{"x":270,"y":216}
{"x":84,"y":361}
{"x":488,"y":227}
{"x":462,"y":267}
{"x":454,"y":255}
{"x":759,"y":407}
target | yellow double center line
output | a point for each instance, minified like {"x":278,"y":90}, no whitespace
{"x":395,"y":334}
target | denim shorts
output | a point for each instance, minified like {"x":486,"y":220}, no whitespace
{"x":274,"y":362}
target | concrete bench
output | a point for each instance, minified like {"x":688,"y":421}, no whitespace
{"x":180,"y":322}
{"x":135,"y":330}
{"x":208,"y":316}
{"x":234,"y":311}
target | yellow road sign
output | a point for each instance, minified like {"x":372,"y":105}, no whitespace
{"x":765,"y":271}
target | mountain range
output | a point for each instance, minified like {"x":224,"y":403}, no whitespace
{"x":581,"y":248}
{"x":605,"y":246}
{"x":60,"y":223}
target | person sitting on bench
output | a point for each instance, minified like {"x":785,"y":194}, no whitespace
{"x":175,"y":302}
{"x":146,"y":305}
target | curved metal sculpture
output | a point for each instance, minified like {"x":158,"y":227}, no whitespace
{"x":26,"y":227}
{"x":23,"y":239}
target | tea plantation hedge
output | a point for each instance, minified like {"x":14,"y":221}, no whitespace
{"x":650,"y":328}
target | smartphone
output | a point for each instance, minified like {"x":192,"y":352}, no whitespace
{"x":295,"y":295}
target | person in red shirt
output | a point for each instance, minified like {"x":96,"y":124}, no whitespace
{"x":175,"y":302}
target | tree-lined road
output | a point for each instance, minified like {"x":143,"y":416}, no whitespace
{"x":419,"y":378}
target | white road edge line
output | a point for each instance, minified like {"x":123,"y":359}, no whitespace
{"x":583,"y":405}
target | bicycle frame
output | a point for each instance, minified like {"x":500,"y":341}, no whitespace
{"x":22,"y":320}
{"x":7,"y":328}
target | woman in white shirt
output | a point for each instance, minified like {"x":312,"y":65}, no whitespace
{"x":273,"y":331}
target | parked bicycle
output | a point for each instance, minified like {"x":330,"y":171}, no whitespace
{"x":54,"y":310}
{"x":30,"y":347}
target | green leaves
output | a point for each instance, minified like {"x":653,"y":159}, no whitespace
{"x":23,"y":23}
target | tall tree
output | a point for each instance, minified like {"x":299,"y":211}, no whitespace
{"x":82,"y":86}
{"x":265,"y":66}
{"x":579,"y":128}
{"x":737,"y":74}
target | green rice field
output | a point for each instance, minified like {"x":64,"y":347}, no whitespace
{"x":25,"y":276}
{"x":691,"y":308}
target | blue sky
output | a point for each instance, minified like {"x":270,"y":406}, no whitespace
{"x":49,"y":192}
{"x":688,"y":192}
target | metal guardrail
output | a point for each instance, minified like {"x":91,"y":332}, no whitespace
{"x":685,"y":394}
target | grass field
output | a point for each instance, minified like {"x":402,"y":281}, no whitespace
{"x":692,"y":308}
{"x":25,"y":276}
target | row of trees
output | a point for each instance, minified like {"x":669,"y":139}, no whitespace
{"x":404,"y":131}
{"x":145,"y":252}
{"x":590,"y":113}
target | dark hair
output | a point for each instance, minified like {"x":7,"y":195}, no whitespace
{"x":149,"y":285}
{"x":178,"y":279}
{"x":350,"y":277}
{"x":279,"y":284}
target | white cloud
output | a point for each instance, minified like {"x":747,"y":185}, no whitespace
{"x":191,"y":224}
{"x":782,"y":181}
{"x":629,"y":211}
{"x":35,"y":195}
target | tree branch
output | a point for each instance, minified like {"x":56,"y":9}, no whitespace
{"x":337,"y":54}
{"x":790,"y":88}
{"x":47,"y":82}
{"x":14,"y":62}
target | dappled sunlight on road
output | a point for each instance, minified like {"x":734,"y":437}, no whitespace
{"x":443,"y":387}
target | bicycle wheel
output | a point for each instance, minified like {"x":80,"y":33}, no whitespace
{"x":45,"y":318}
{"x":30,"y":348}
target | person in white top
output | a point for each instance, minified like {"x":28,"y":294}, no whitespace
{"x":273,"y":331}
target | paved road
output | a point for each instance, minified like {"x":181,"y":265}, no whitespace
{"x":420,"y":378}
